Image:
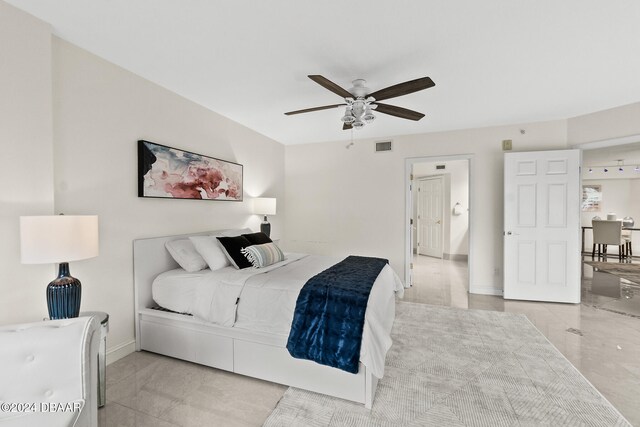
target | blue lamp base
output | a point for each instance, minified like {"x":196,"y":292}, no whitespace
{"x":265,"y":227}
{"x":63,"y":295}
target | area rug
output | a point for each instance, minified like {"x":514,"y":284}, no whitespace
{"x":454,"y":367}
{"x":630,"y":272}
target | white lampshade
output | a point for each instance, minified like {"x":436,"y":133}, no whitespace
{"x":58,"y":238}
{"x":264,"y":206}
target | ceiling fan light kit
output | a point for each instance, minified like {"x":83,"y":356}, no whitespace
{"x":359,"y":102}
{"x":348,"y":116}
{"x":368,"y":115}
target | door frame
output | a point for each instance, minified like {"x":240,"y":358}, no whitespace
{"x":442,"y":194}
{"x":408,"y":253}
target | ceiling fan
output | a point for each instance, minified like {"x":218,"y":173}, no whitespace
{"x":360,"y":101}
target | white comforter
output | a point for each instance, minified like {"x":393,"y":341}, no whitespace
{"x":266,"y":300}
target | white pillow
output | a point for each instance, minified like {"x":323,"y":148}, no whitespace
{"x":236,"y":232}
{"x":186,"y":255}
{"x":210,"y":249}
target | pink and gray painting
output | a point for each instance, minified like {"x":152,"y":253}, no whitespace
{"x":168,"y":172}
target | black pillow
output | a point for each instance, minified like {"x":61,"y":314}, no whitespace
{"x":232,"y":247}
{"x":258,"y":238}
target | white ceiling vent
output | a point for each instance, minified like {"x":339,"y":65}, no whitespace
{"x":383,"y":146}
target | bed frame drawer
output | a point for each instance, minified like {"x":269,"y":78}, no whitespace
{"x":276,"y":364}
{"x":195,"y":346}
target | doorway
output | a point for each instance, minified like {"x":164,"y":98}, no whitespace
{"x":610,"y":188}
{"x":429,"y":214}
{"x":438,"y":224}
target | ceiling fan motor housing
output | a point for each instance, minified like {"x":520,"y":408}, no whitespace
{"x":359,"y":90}
{"x":360,"y":108}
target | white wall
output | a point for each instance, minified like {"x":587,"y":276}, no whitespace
{"x":100,"y":112}
{"x":26,"y":186}
{"x":615,"y":198}
{"x":459,"y":194}
{"x":343,"y":201}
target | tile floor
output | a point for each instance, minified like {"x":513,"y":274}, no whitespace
{"x":146,"y":389}
{"x":601,"y":337}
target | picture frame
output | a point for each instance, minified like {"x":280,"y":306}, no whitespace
{"x":591,"y":198}
{"x":171,"y":173}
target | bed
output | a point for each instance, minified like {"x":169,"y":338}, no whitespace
{"x":254,"y":344}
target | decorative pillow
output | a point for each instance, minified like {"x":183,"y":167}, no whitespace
{"x":263,"y":255}
{"x":209,"y":248}
{"x":186,"y":255}
{"x":258,"y":238}
{"x":232,"y":247}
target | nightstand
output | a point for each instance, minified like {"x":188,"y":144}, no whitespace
{"x":103,"y":318}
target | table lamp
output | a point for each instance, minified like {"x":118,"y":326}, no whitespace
{"x":265,"y":206}
{"x":59,"y":239}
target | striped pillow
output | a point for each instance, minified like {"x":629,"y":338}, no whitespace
{"x":263,"y":255}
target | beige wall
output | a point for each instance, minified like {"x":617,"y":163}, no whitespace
{"x":27,"y":157}
{"x":343,"y":201}
{"x":101,"y":111}
{"x":613,"y":123}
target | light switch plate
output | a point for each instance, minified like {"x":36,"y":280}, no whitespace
{"x":506,"y":144}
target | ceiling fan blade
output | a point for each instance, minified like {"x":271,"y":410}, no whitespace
{"x":328,"y":84}
{"x":403,"y":113}
{"x":403,"y":88}
{"x":308,"y":110}
{"x":346,"y":126}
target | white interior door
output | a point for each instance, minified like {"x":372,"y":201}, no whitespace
{"x":542,"y":223}
{"x":430,"y":216}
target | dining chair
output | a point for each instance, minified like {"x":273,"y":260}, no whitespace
{"x":626,"y":236}
{"x":607,"y":233}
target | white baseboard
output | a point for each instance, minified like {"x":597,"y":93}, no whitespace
{"x":120,"y":351}
{"x":485,"y":290}
{"x":456,"y":257}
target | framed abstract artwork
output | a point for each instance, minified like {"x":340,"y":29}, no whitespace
{"x":170,"y":173}
{"x":591,"y":198}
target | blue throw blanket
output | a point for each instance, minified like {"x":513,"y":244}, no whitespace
{"x":329,"y":317}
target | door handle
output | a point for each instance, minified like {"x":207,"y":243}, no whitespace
{"x":509,"y":233}
{"x":438,"y":222}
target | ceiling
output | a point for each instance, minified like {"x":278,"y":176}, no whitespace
{"x":494,"y":62}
